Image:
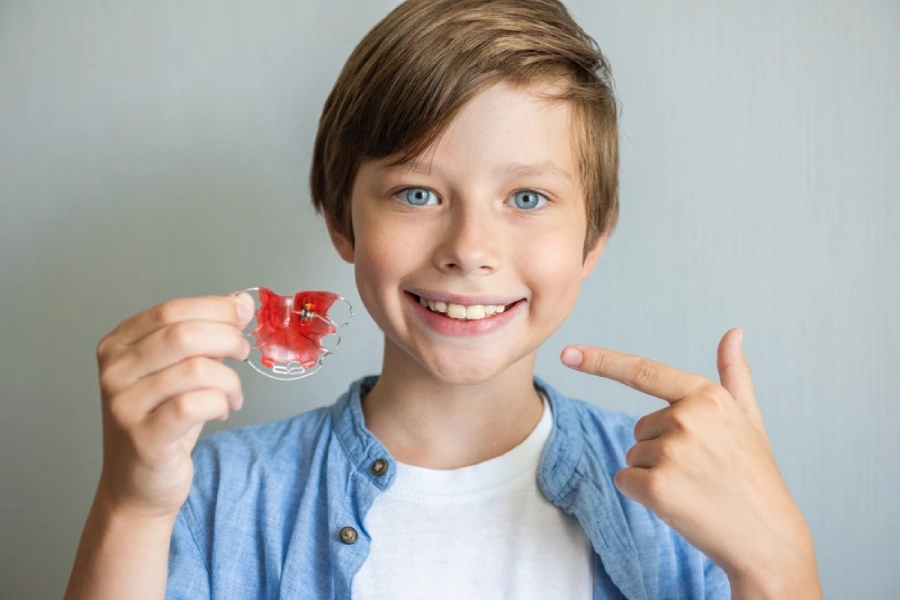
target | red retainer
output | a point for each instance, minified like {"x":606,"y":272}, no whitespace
{"x":289,"y":332}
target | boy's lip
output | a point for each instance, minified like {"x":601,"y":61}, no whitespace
{"x":442,"y":324}
{"x":449,"y":298}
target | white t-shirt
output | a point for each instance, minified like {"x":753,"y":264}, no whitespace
{"x":484,"y":531}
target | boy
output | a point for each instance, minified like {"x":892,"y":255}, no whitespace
{"x":466,"y":164}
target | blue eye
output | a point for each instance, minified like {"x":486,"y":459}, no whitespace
{"x":419,"y":196}
{"x":529,"y":199}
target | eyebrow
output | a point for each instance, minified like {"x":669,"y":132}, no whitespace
{"x":541,"y":168}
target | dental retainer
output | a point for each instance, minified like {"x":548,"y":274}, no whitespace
{"x":294,"y":333}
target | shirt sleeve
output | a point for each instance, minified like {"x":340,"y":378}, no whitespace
{"x":188,"y":569}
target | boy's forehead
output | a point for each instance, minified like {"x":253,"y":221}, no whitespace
{"x":427,"y":166}
{"x":507,"y":129}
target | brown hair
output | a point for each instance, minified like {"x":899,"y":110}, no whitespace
{"x":416,"y":69}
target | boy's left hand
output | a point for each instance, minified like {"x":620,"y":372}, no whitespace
{"x":704,"y":466}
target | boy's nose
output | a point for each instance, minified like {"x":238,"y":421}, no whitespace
{"x":469,"y":244}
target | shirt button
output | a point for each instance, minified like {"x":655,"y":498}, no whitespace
{"x":349,"y":535}
{"x":379,"y":467}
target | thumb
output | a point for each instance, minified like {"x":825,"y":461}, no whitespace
{"x":734,"y":373}
{"x":243,"y":296}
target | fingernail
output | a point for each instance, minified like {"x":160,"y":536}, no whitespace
{"x":572,"y":357}
{"x":244,"y":312}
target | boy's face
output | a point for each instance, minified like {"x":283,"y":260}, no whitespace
{"x":498,"y":221}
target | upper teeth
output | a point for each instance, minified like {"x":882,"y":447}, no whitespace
{"x":458,"y":311}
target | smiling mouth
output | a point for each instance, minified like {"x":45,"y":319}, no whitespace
{"x":462,"y":312}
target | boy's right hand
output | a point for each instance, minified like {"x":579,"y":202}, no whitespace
{"x":161,"y":378}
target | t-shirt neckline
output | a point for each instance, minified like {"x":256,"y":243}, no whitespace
{"x":522,"y":460}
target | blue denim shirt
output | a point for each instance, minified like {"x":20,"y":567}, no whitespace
{"x":269,"y":502}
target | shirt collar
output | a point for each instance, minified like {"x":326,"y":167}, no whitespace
{"x":362,"y":447}
{"x":561,"y":455}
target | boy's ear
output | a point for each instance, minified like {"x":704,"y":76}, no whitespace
{"x":593,"y":255}
{"x":343,"y":245}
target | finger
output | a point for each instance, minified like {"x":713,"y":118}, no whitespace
{"x":645,"y":375}
{"x":639,"y":484}
{"x":649,"y":453}
{"x":734,"y":373}
{"x":170,"y":345}
{"x":220,"y":309}
{"x":175,"y":417}
{"x":189,"y":375}
{"x":652,"y":425}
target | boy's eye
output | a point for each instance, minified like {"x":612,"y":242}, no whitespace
{"x":418,"y":196}
{"x":525,"y":200}
{"x":529,"y":200}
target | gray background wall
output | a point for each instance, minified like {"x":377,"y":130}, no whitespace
{"x":150,"y":150}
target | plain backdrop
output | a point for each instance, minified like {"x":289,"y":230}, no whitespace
{"x":152,"y":150}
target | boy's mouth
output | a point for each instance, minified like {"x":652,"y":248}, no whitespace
{"x":472,"y":312}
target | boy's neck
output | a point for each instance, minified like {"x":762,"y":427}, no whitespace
{"x":426,"y":422}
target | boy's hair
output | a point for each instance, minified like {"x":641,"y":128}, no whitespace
{"x":416,"y":69}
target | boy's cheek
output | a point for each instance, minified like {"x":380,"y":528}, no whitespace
{"x":554,"y":276}
{"x":551,"y":256}
{"x":369,"y":297}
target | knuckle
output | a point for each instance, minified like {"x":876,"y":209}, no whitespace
{"x":679,"y":421}
{"x":597,"y":361}
{"x":102,"y":346}
{"x":108,"y":383}
{"x":641,"y":372}
{"x":164,"y":313}
{"x":118,"y":411}
{"x":196,"y":368}
{"x":183,"y":407}
{"x":668,"y":451}
{"x":181,"y":335}
{"x":714,"y":395}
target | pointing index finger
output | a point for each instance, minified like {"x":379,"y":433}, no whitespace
{"x":645,"y":375}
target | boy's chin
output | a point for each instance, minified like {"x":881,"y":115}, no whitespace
{"x":471,"y":372}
